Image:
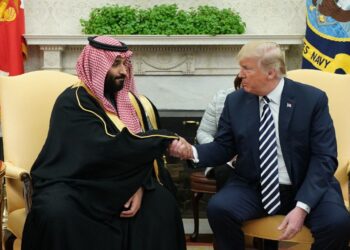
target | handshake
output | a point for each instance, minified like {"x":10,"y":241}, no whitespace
{"x":181,"y":148}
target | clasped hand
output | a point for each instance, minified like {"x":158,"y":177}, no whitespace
{"x":181,"y":148}
{"x":132,"y":206}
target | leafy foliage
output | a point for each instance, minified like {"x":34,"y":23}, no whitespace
{"x":162,"y":20}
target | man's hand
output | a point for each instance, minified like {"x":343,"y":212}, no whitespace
{"x":181,"y":148}
{"x":133,"y":204}
{"x":292,"y":223}
{"x":329,"y":8}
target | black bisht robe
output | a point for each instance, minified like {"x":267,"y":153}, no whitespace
{"x":86,"y":171}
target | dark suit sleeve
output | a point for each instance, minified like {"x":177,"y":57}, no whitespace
{"x":223,"y":148}
{"x":323,"y":155}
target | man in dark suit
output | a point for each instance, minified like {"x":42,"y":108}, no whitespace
{"x":284,"y":138}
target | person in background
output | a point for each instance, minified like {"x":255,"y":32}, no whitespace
{"x":96,"y":183}
{"x":284,"y":139}
{"x":207,"y":130}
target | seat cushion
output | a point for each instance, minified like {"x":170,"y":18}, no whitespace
{"x":200,"y":183}
{"x":258,"y":228}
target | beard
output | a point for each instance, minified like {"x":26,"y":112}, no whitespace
{"x":113,"y":84}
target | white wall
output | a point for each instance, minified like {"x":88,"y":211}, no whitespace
{"x":261,"y":16}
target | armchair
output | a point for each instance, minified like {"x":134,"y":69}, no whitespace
{"x":337,"y":88}
{"x":26,"y":102}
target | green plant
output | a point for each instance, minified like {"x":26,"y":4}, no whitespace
{"x":162,"y":20}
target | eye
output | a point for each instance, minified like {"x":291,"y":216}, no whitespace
{"x":117,"y":63}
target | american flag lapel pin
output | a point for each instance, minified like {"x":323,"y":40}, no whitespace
{"x":289,"y":105}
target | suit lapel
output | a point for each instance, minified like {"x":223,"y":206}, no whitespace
{"x":287,"y":107}
{"x":253,"y":122}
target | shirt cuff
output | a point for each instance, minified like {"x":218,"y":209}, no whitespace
{"x":303,"y":206}
{"x":195,"y":155}
{"x":208,"y":170}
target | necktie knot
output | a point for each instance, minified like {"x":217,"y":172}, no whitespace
{"x":266,"y":99}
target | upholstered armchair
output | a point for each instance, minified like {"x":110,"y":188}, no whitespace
{"x":26,"y":103}
{"x":337,"y":88}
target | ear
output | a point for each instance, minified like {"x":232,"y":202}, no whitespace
{"x":271,"y":74}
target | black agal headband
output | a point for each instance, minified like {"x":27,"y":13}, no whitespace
{"x":99,"y":45}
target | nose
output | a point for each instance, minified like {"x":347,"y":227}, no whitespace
{"x":124,"y":70}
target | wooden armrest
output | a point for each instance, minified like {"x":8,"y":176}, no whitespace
{"x":2,"y":169}
{"x":14,"y":172}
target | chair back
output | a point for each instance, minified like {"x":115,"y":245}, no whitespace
{"x":26,"y":103}
{"x":337,"y":88}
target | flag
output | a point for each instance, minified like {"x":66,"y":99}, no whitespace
{"x":327,"y":40}
{"x":13,"y":48}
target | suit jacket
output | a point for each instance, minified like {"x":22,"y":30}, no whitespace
{"x":307,"y":139}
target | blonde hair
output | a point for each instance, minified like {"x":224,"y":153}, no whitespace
{"x":269,"y":55}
